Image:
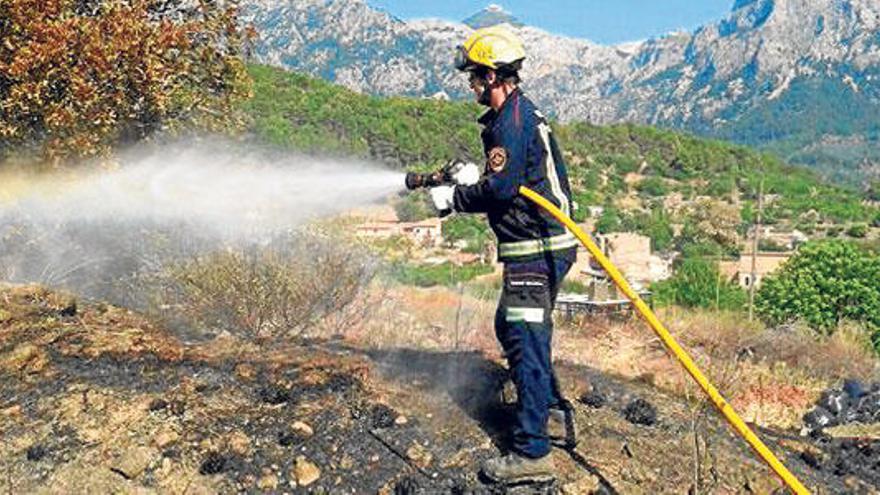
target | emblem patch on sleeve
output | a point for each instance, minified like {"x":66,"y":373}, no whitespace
{"x":497,"y":159}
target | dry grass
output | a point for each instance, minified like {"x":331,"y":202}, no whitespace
{"x":432,"y":318}
{"x":771,"y":377}
{"x":282,"y":290}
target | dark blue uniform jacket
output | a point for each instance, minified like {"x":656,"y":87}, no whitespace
{"x":520,"y":150}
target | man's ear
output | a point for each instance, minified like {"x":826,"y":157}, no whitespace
{"x":491,"y":77}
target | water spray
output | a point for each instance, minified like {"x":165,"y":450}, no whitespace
{"x":89,"y":230}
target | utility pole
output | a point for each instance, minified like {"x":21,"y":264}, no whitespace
{"x":754,"y":273}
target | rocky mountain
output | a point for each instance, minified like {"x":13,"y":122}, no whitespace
{"x":788,"y":74}
{"x":490,"y":16}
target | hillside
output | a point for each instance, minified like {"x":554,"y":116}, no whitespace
{"x":794,"y":76}
{"x":632,"y":168}
{"x":211,"y":312}
{"x":94,"y":395}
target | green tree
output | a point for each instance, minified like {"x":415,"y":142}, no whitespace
{"x":472,"y":229}
{"x":655,"y":225}
{"x":697,"y":283}
{"x":826,"y":282}
{"x":77,"y":77}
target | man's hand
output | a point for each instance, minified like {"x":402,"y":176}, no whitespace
{"x":467,"y":174}
{"x":441,"y":196}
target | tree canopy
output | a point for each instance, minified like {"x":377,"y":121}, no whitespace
{"x":825,"y":283}
{"x":80,"y":76}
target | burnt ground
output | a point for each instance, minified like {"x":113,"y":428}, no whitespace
{"x":97,"y":399}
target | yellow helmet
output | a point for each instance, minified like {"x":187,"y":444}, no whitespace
{"x":494,"y":47}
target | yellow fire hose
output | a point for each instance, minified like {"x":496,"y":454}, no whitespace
{"x":735,"y":421}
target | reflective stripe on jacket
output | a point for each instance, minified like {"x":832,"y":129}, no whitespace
{"x":520,"y":149}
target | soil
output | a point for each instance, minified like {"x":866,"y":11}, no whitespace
{"x":96,"y":396}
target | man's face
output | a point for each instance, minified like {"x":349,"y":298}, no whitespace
{"x":477,"y":84}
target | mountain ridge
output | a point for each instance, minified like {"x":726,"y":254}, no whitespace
{"x":707,"y":81}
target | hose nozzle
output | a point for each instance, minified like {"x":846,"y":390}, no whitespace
{"x":416,"y":180}
{"x":444,"y":176}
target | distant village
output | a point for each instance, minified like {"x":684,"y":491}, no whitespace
{"x":630,"y":252}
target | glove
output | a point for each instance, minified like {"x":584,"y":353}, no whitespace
{"x":441,"y":196}
{"x":467,"y":174}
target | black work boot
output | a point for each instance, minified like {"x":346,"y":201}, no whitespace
{"x":514,"y":468}
{"x":562,"y":430}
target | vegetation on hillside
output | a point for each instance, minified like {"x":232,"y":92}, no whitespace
{"x":823,"y":285}
{"x":298,"y":111}
{"x":699,"y":167}
{"x":818,"y":122}
{"x":697,"y":283}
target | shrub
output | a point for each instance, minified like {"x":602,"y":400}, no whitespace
{"x":78,"y":77}
{"x":609,"y":221}
{"x":653,"y":187}
{"x":825,"y":283}
{"x":273,"y":291}
{"x":657,"y":226}
{"x":414,"y":207}
{"x":447,"y":274}
{"x":858,"y":230}
{"x":472,"y":229}
{"x":697,"y":283}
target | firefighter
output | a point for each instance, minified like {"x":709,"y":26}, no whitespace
{"x":536,"y":250}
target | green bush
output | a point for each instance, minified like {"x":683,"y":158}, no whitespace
{"x":653,"y":187}
{"x":610,"y":221}
{"x":584,"y":199}
{"x":446,"y":274}
{"x":858,"y":230}
{"x":472,"y":229}
{"x":697,"y":283}
{"x":825,"y":283}
{"x":721,"y":186}
{"x":655,"y":225}
{"x":414,"y":207}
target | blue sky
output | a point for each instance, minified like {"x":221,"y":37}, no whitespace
{"x":602,"y":21}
